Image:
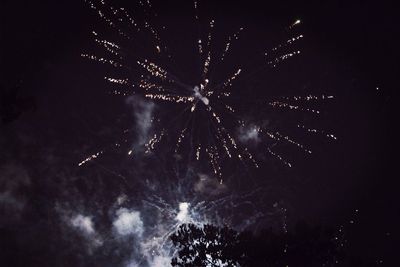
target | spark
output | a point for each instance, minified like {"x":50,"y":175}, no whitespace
{"x":322,"y":132}
{"x":287,"y":138}
{"x":213,"y":100}
{"x":274,"y":63}
{"x":297,"y":22}
{"x":198,"y":153}
{"x":90,"y":158}
{"x":288,"y":42}
{"x":278,"y":104}
{"x":308,"y":97}
{"x":110,"y":47}
{"x":232,"y":78}
{"x":228,"y":44}
{"x":171,"y":98}
{"x":153,"y":142}
{"x":117,"y":81}
{"x":181,"y":136}
{"x":154,"y":69}
{"x":279,"y":157}
{"x":102,"y":60}
{"x":195,"y":7}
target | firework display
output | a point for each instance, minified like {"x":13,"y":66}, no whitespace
{"x":155,"y":133}
{"x":202,"y":115}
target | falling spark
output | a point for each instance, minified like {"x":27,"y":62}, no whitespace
{"x":322,"y":132}
{"x":297,"y":22}
{"x":278,"y":104}
{"x":279,"y":157}
{"x":288,"y":139}
{"x":90,"y":158}
{"x":228,"y":44}
{"x":102,"y":60}
{"x":150,"y":145}
{"x":308,"y":97}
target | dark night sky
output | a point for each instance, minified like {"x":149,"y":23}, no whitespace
{"x":55,"y":110}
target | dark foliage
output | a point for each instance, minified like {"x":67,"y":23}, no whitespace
{"x":213,"y":246}
{"x":206,"y":246}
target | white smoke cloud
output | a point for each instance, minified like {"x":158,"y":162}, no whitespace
{"x":143,"y":112}
{"x":183,"y":214}
{"x":209,"y":186}
{"x":13,"y":178}
{"x":152,"y":261}
{"x":249,"y":133}
{"x":160,"y":261}
{"x":128,"y":223}
{"x":83,"y":224}
{"x":121,"y":199}
{"x":199,"y":96}
{"x":132,"y":263}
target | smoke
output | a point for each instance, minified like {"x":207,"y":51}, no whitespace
{"x":143,"y":112}
{"x":156,"y":261}
{"x":128,"y":223}
{"x":84,"y":225}
{"x":183,"y":213}
{"x":160,"y":261}
{"x":249,"y":133}
{"x":199,"y":96}
{"x":133,"y":235}
{"x":14,"y":179}
{"x":132,"y":264}
{"x":209,"y":186}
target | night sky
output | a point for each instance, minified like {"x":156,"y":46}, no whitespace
{"x":56,"y":110}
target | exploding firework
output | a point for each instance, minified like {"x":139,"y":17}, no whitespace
{"x":171,"y":213}
{"x":202,"y":111}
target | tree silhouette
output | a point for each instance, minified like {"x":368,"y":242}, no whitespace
{"x":206,"y":246}
{"x":212,"y":246}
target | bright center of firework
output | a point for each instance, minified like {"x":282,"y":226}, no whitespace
{"x":183,"y":214}
{"x":199,"y":96}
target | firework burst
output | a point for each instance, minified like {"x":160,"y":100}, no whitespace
{"x":202,"y":117}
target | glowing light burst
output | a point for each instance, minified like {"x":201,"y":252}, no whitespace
{"x":204,"y":113}
{"x":220,"y":211}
